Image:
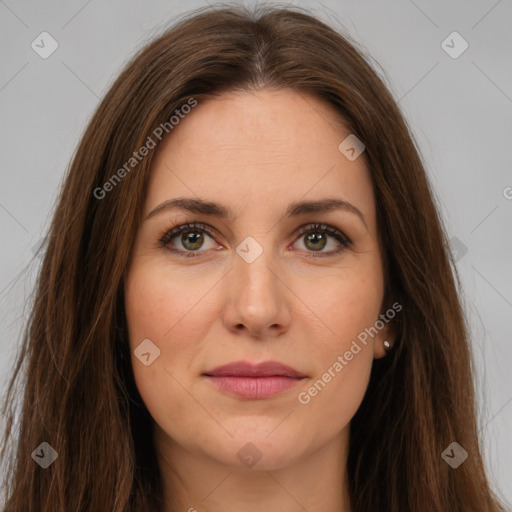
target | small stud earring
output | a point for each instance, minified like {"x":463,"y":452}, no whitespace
{"x":387,"y":346}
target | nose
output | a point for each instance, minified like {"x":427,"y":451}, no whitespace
{"x":257,"y":299}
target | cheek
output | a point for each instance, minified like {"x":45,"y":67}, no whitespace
{"x":347,"y":304}
{"x":342,"y":304}
{"x":159,"y":302}
{"x":333,"y":396}
{"x":170,"y":310}
{"x":342,"y":366}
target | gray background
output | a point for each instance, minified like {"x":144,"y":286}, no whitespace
{"x":460,"y":111}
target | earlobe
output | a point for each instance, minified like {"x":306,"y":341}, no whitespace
{"x":385,"y":341}
{"x":383,"y":349}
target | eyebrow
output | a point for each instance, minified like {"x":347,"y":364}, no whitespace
{"x":201,"y":206}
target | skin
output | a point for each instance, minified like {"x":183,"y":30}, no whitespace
{"x":255,"y":152}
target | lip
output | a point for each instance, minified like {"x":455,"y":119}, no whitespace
{"x":256,"y":381}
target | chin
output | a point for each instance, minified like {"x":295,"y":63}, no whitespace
{"x":260,"y":450}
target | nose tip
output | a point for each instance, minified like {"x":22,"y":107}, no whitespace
{"x":257,"y":302}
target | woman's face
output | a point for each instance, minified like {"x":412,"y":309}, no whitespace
{"x":254,"y":288}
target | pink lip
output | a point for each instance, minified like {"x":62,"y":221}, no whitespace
{"x":248,"y":380}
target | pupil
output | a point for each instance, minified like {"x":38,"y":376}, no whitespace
{"x":193,"y":238}
{"x":316,"y":238}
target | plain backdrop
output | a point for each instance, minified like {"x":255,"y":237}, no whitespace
{"x":458,"y":104}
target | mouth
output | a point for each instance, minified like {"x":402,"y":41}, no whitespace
{"x":254,"y":381}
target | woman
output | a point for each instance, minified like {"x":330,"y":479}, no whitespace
{"x":246,"y":302}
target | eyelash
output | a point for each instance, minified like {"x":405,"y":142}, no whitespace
{"x":169,"y":234}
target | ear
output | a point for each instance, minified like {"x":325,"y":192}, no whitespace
{"x":388,"y":332}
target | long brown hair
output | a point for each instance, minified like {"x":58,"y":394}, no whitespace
{"x":78,"y":390}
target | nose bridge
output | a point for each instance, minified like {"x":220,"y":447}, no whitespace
{"x":256,"y":300}
{"x":254,"y":269}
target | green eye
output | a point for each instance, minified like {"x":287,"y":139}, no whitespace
{"x":315,"y":236}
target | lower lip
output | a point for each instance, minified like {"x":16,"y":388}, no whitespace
{"x":254,"y":387}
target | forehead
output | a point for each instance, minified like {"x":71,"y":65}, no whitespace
{"x":247,"y":149}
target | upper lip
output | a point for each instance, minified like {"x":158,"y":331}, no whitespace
{"x":247,"y":369}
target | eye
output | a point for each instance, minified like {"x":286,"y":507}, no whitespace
{"x":192,"y":239}
{"x":315,"y":239}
